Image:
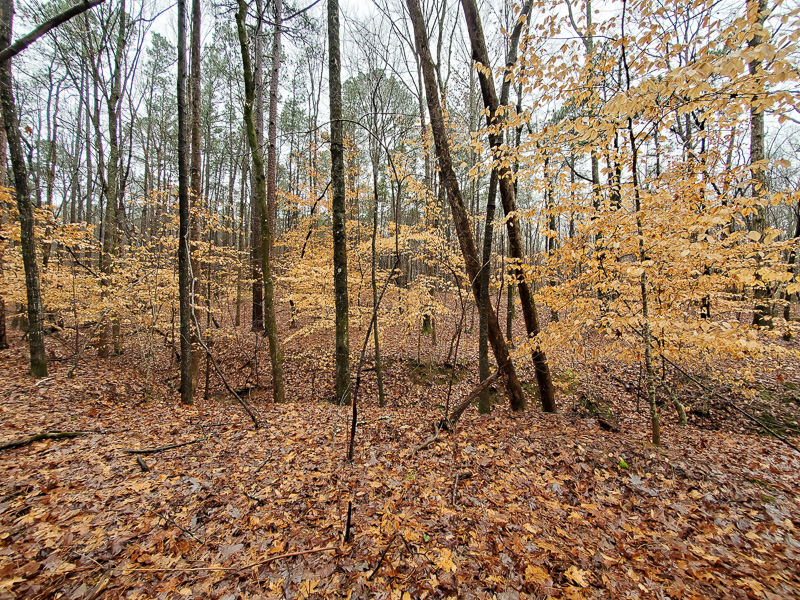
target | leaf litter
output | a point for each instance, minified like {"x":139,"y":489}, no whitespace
{"x":508,"y":506}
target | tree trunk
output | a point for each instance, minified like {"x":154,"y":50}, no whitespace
{"x":184,"y":281}
{"x":255,"y":208}
{"x":756,"y":9}
{"x":460,"y":218}
{"x":275,"y":354}
{"x":3,"y":183}
{"x":485,"y":398}
{"x":272,"y":134}
{"x":27,"y":239}
{"x":338,"y":207}
{"x":505,"y":181}
{"x":378,"y":370}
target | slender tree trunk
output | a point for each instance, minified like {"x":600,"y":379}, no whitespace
{"x":378,"y":369}
{"x":184,"y":279}
{"x":272,"y":134}
{"x":27,"y":239}
{"x":339,"y":208}
{"x":485,"y":398}
{"x":460,"y":218}
{"x":3,"y":183}
{"x":756,"y":9}
{"x":275,"y":354}
{"x":505,"y":182}
{"x":255,"y":208}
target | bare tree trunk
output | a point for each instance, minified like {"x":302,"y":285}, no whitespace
{"x":378,"y":370}
{"x":3,"y":183}
{"x":255,"y":208}
{"x":275,"y":354}
{"x":339,"y":207}
{"x":184,"y":280}
{"x":460,"y":218}
{"x":27,"y":239}
{"x":506,"y":185}
{"x":761,"y":311}
{"x":272,"y":134}
{"x":485,"y":398}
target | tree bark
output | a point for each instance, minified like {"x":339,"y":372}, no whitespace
{"x":255,"y":208}
{"x":272,"y":134}
{"x":506,"y":184}
{"x":460,"y":218}
{"x":184,"y":280}
{"x":762,"y":316}
{"x":27,"y":238}
{"x":260,"y":192}
{"x":3,"y":183}
{"x":338,"y":207}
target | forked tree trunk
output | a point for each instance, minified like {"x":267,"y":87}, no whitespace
{"x":275,"y":354}
{"x":460,"y":218}
{"x":27,"y":239}
{"x":506,"y":183}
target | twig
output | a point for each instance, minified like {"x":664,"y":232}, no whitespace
{"x":160,"y":448}
{"x":434,"y":438}
{"x":349,"y":522}
{"x":168,"y":519}
{"x":240,"y":568}
{"x":101,"y":585}
{"x":380,"y":560}
{"x":48,"y":435}
{"x":142,"y":465}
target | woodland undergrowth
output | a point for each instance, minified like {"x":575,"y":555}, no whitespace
{"x":509,"y":505}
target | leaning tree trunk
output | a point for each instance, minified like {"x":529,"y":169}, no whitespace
{"x":506,"y":183}
{"x":338,"y":207}
{"x":275,"y":354}
{"x":27,"y":239}
{"x":460,"y":218}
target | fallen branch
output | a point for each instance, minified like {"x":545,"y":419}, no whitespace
{"x":457,"y":412}
{"x":473,"y":395}
{"x":48,"y":435}
{"x":240,"y":568}
{"x":160,"y":448}
{"x":383,"y":555}
{"x":142,"y":465}
{"x":431,"y":440}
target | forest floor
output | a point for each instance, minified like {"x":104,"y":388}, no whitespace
{"x":509,"y":505}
